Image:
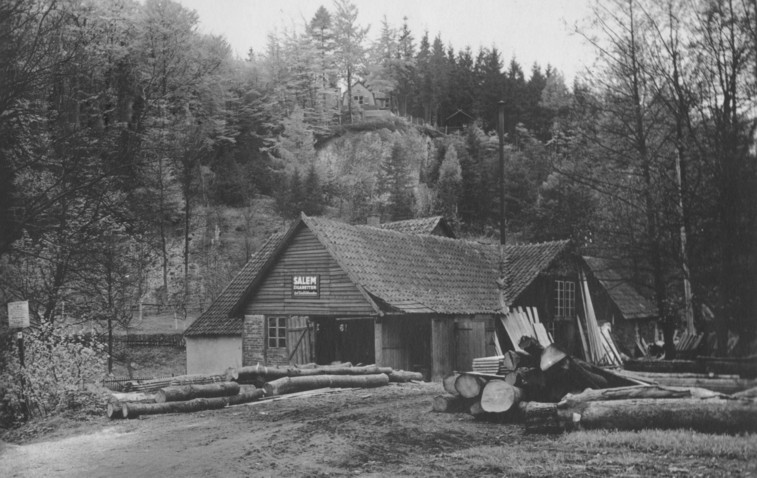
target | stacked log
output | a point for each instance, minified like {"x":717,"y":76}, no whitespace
{"x":189,"y":392}
{"x":718,"y":383}
{"x":156,"y":384}
{"x":298,"y":384}
{"x":258,"y":374}
{"x":479,"y":394}
{"x":135,"y":410}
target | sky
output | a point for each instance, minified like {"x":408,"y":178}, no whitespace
{"x":529,"y":30}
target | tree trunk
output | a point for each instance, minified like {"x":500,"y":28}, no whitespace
{"x":638,"y":391}
{"x":469,"y":386}
{"x":135,"y":410}
{"x":728,"y":384}
{"x":449,"y":383}
{"x":709,"y":416}
{"x":297,"y":384}
{"x":114,"y":410}
{"x":540,"y":417}
{"x":451,"y":404}
{"x":188,"y":392}
{"x":261,"y":374}
{"x":401,"y":376}
{"x":498,"y":396}
{"x":247,"y":397}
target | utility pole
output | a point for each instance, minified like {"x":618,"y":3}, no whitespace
{"x":502,"y":281}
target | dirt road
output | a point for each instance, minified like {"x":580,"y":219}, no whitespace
{"x":389,"y":431}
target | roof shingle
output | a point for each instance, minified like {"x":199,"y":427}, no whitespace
{"x":631,"y":303}
{"x":404,"y":273}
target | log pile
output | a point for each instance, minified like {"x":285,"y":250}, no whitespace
{"x":191,"y":393}
{"x":563,"y":394}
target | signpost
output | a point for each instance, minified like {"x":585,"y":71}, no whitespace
{"x":18,"y":318}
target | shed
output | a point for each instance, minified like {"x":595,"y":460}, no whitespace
{"x":619,"y":302}
{"x":327,"y":291}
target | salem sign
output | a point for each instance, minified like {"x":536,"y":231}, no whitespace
{"x":306,"y":286}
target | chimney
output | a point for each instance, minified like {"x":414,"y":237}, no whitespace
{"x":374,"y":221}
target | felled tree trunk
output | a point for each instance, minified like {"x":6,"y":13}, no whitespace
{"x":709,"y":415}
{"x":188,"y":392}
{"x":449,"y":383}
{"x":469,"y":386}
{"x":638,"y":391}
{"x":134,"y":410}
{"x":540,"y":417}
{"x":402,"y":376}
{"x":247,"y":397}
{"x":113,"y":410}
{"x":260,"y":374}
{"x":498,"y":396}
{"x":298,"y":384}
{"x":451,"y":404}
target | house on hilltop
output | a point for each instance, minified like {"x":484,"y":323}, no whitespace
{"x":371,"y":103}
{"x":402,"y":295}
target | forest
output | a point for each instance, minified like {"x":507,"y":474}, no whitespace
{"x":125,"y":133}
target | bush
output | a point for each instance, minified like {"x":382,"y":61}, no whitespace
{"x":57,"y":366}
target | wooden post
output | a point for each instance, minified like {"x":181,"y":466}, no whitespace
{"x":441,"y":348}
{"x":378,"y":342}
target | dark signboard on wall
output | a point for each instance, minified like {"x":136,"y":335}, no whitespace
{"x":306,"y":286}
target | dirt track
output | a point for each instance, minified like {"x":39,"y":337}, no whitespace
{"x":388,"y":431}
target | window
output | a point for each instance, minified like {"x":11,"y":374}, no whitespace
{"x":277,"y":332}
{"x":565,"y":303}
{"x":359,"y":99}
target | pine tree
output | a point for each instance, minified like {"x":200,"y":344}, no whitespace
{"x":395,"y":182}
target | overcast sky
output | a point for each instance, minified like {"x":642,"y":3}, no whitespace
{"x":531,"y":30}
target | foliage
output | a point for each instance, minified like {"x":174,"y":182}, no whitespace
{"x":57,"y":365}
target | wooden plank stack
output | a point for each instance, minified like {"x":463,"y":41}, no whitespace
{"x":520,"y":322}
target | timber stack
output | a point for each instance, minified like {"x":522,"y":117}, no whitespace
{"x":550,"y":392}
{"x":192,"y":393}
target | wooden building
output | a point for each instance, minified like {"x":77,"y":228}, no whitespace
{"x":327,"y":291}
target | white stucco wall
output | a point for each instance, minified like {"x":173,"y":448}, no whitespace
{"x":212,"y":355}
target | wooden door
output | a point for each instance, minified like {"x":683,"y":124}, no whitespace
{"x":300,"y":340}
{"x":470,"y":342}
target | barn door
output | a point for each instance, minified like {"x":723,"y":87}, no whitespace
{"x":470,"y":342}
{"x":300,"y":340}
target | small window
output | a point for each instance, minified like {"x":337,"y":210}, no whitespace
{"x":277,"y":332}
{"x":565,"y":303}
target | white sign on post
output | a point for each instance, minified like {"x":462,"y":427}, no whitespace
{"x":18,"y":314}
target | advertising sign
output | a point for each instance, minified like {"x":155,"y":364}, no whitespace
{"x":306,"y":286}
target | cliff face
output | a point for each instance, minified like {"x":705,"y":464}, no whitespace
{"x":359,"y":155}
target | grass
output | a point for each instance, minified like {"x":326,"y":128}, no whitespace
{"x":673,"y":442}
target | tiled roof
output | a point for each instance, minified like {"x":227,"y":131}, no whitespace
{"x":402,"y":273}
{"x":425,"y":225}
{"x":216,"y":320}
{"x":430,"y":274}
{"x":631,"y":303}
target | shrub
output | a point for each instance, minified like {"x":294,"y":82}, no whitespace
{"x":57,"y":365}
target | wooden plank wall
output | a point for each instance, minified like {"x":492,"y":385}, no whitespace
{"x":306,"y":256}
{"x":405,"y":343}
{"x":470,"y":342}
{"x":442,"y":348}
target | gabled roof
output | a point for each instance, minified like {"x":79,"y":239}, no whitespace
{"x":217,"y":319}
{"x":631,"y":303}
{"x":425,"y":225}
{"x":399,"y":272}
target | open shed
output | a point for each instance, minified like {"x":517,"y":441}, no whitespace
{"x":327,"y":291}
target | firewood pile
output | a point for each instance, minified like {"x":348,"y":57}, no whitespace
{"x":193,"y":393}
{"x":550,"y":392}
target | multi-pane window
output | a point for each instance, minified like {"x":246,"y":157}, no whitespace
{"x":565,"y":303}
{"x":277,"y":332}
